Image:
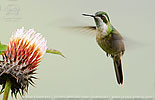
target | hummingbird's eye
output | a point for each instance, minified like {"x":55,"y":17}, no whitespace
{"x":103,"y":17}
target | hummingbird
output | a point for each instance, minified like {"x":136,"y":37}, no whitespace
{"x":110,"y":40}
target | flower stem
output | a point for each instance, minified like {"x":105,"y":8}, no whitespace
{"x":7,"y":89}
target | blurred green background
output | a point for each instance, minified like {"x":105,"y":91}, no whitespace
{"x":86,"y":71}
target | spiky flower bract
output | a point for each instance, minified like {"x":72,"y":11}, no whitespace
{"x":24,"y":53}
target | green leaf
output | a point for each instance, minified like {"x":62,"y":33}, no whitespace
{"x":53,"y":51}
{"x":3,"y":47}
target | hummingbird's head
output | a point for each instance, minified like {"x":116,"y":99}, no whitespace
{"x":101,"y":19}
{"x":100,"y":15}
{"x":103,"y":16}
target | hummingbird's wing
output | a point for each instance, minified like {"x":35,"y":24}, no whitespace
{"x":116,"y":35}
{"x":92,"y":28}
{"x":84,"y":29}
{"x":119,"y":48}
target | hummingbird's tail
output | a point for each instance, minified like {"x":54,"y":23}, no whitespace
{"x":118,"y":69}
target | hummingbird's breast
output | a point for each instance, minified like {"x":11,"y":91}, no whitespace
{"x":112,"y":43}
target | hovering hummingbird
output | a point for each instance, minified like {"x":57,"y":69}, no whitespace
{"x":110,"y":40}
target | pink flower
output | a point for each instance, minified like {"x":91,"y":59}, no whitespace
{"x":24,"y":53}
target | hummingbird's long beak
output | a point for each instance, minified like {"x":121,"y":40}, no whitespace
{"x":88,"y":15}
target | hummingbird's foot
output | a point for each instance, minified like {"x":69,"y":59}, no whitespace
{"x":122,"y":53}
{"x":107,"y":54}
